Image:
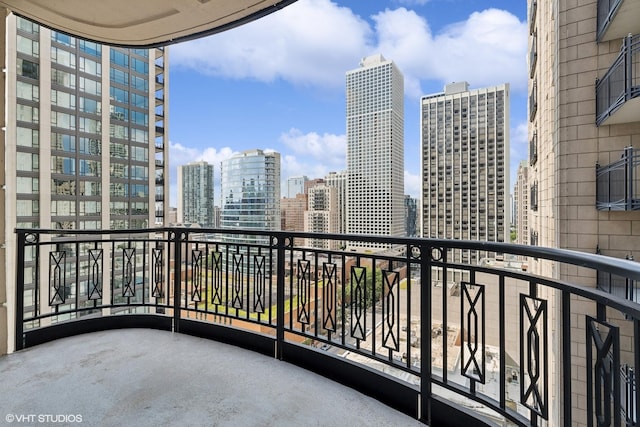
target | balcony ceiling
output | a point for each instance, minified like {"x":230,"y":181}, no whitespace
{"x":143,"y":23}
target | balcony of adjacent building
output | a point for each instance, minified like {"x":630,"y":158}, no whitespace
{"x":617,"y":18}
{"x":533,"y":149}
{"x":618,"y":91}
{"x":364,"y":320}
{"x":618,"y":184}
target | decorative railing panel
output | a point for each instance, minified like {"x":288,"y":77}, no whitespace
{"x":485,"y":338}
{"x":607,"y":10}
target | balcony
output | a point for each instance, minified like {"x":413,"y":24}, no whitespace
{"x":533,"y":12}
{"x":617,"y":184}
{"x":617,"y":18}
{"x":618,"y":92}
{"x":533,"y":101}
{"x":533,"y":55}
{"x":362,"y":319}
{"x":533,"y":199}
{"x":533,"y":149}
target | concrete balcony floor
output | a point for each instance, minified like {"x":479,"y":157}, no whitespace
{"x":140,"y":377}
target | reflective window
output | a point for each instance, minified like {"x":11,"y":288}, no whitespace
{"x":28,"y":69}
{"x":27,"y":46}
{"x":63,"y":78}
{"x":27,"y":113}
{"x":63,"y":57}
{"x":27,"y":137}
{"x":27,"y":91}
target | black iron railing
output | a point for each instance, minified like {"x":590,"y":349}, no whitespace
{"x":621,"y":83}
{"x":618,"y":184}
{"x":449,"y":343}
{"x":533,"y":54}
{"x":533,"y":12}
{"x":533,"y":199}
{"x":607,"y":10}
{"x":533,"y":101}
{"x":533,"y":149}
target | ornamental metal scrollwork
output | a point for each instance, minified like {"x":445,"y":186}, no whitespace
{"x":534,"y":387}
{"x":196,"y":275}
{"x":603,"y":377}
{"x":330,"y":296}
{"x":94,"y":282}
{"x":128,"y":272}
{"x":391,"y":310}
{"x":216,"y":296}
{"x":237,"y":274}
{"x":57,"y":278}
{"x":358,"y":302}
{"x":304,"y":291}
{"x":259,"y":283}
{"x":157,"y":279}
{"x":473,"y":354}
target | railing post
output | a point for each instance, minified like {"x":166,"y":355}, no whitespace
{"x":628,"y":164}
{"x":280,"y":282}
{"x":20,"y":291}
{"x":177,"y":275}
{"x":425,"y":333}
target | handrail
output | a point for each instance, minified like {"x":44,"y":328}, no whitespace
{"x":487,"y":327}
{"x":616,"y":187}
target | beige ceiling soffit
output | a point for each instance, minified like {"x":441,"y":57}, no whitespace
{"x":143,"y":23}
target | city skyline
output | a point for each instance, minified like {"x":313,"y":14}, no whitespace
{"x":285,"y":74}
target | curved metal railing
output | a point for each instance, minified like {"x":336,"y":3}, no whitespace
{"x":522,"y":336}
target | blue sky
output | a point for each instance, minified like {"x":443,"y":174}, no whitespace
{"x":278,"y":83}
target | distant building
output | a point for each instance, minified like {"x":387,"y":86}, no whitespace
{"x":295,"y":186}
{"x":521,"y":191}
{"x":250,"y":187}
{"x":292,"y":214}
{"x":195,"y":194}
{"x":465,"y":160}
{"x":338,"y":180}
{"x":411,"y":215}
{"x":322,"y":215}
{"x":375,"y":150}
{"x":172,"y":216}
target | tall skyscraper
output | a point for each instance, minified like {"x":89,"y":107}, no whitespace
{"x":292,"y":214}
{"x":251,"y":192}
{"x":295,"y":186}
{"x":375,"y":149}
{"x":521,"y":192}
{"x":195,"y":194}
{"x":465,"y":158}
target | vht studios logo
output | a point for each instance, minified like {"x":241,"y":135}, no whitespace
{"x":43,"y":418}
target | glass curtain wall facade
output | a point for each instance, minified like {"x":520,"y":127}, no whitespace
{"x":81,"y":118}
{"x":375,"y":149}
{"x":250,"y":186}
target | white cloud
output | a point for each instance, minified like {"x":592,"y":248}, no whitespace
{"x":412,"y":184}
{"x":314,"y":42}
{"x":310,"y":42}
{"x":327,"y":148}
{"x":488,"y":48}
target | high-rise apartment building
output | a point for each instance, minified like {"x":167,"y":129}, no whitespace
{"x":465,"y":158}
{"x":338,"y":180}
{"x":521,"y":192}
{"x":295,"y":186}
{"x":195,"y":194}
{"x":322,"y":215}
{"x":584,"y":127}
{"x":85,"y":138}
{"x":88,"y":127}
{"x":250,"y":189}
{"x":375,"y":148}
